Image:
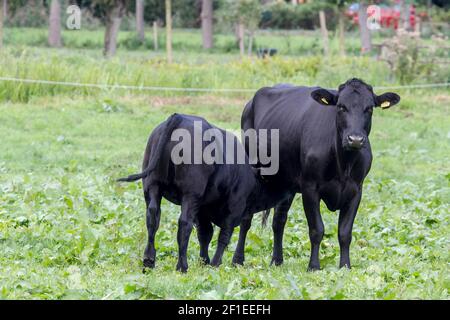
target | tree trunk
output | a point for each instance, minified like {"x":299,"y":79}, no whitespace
{"x":250,"y":43}
{"x":140,"y":24}
{"x":207,"y":23}
{"x":341,"y":26}
{"x":2,"y":14}
{"x":169,"y":30}
{"x":5,"y":9}
{"x":241,"y":34}
{"x":54,"y":30}
{"x":366,"y":40}
{"x":324,"y":31}
{"x":113,"y":19}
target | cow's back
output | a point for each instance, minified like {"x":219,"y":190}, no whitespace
{"x":304,"y":125}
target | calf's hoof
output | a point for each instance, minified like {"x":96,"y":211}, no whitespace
{"x":238,"y":261}
{"x":345,"y":265}
{"x":216,"y":263}
{"x":276,"y":261}
{"x":182,"y":268}
{"x":205,"y":260}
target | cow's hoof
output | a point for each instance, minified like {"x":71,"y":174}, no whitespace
{"x":312,"y":268}
{"x":345,"y":265}
{"x":238,"y":261}
{"x":205,"y":261}
{"x":149,"y":263}
{"x":276,"y":261}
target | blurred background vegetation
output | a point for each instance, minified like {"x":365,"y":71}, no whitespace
{"x":214,"y":41}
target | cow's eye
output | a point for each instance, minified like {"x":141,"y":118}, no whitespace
{"x":341,"y":108}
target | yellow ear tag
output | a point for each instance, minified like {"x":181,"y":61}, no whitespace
{"x":324,"y":100}
{"x":385,"y":105}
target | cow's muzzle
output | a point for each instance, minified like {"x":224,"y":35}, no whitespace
{"x":355,"y":141}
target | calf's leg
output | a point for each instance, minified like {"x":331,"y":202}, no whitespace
{"x":204,"y":232}
{"x":239,"y":255}
{"x":224,"y":238}
{"x":153,"y":199}
{"x":311,"y":205}
{"x":189,"y":210}
{"x":345,"y":226}
{"x":278,"y":223}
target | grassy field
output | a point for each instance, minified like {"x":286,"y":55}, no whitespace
{"x":68,"y":230}
{"x":286,"y":42}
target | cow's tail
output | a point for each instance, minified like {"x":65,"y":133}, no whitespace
{"x":172,"y":122}
{"x":265,"y":217}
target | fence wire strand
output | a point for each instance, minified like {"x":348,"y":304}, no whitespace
{"x":180,"y":89}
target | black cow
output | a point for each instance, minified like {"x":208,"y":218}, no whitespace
{"x":325,"y":154}
{"x":223,"y":194}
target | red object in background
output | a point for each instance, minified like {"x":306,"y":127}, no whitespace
{"x":389,"y":16}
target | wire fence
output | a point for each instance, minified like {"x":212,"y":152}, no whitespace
{"x":181,"y":89}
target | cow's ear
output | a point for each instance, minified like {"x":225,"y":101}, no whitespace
{"x":324,"y":96}
{"x":387,"y":100}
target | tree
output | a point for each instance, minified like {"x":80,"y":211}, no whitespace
{"x":169,"y":30}
{"x":366,"y":40}
{"x":54,"y":30}
{"x":140,"y":24}
{"x":114,"y":10}
{"x":2,"y":15}
{"x":243,"y":15}
{"x":207,"y":23}
{"x":340,"y":7}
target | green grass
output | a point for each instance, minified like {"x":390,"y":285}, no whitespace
{"x":286,"y":42}
{"x":67,"y":230}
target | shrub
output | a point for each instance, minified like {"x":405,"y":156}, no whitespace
{"x":410,"y":59}
{"x":282,"y":15}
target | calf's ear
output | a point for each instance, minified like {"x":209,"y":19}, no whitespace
{"x":324,"y":96}
{"x":387,"y":100}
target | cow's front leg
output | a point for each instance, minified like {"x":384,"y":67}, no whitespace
{"x":311,"y":205}
{"x":278,"y":223}
{"x":239,"y":255}
{"x":346,"y":218}
{"x":189,"y":210}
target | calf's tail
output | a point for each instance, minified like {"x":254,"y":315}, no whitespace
{"x":172,"y":122}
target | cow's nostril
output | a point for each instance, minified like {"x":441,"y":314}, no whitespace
{"x":355,"y":141}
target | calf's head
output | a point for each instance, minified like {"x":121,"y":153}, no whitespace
{"x":355,"y":102}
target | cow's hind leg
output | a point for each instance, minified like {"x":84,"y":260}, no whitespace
{"x":239,"y":254}
{"x":204,"y":232}
{"x":153,"y":199}
{"x":278,"y":223}
{"x":189,"y":210}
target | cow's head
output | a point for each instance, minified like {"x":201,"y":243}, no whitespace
{"x":355,"y":102}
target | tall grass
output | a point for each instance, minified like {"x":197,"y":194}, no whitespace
{"x":286,"y":42}
{"x":196,"y":71}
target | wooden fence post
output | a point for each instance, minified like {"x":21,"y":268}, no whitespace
{"x":323,"y":29}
